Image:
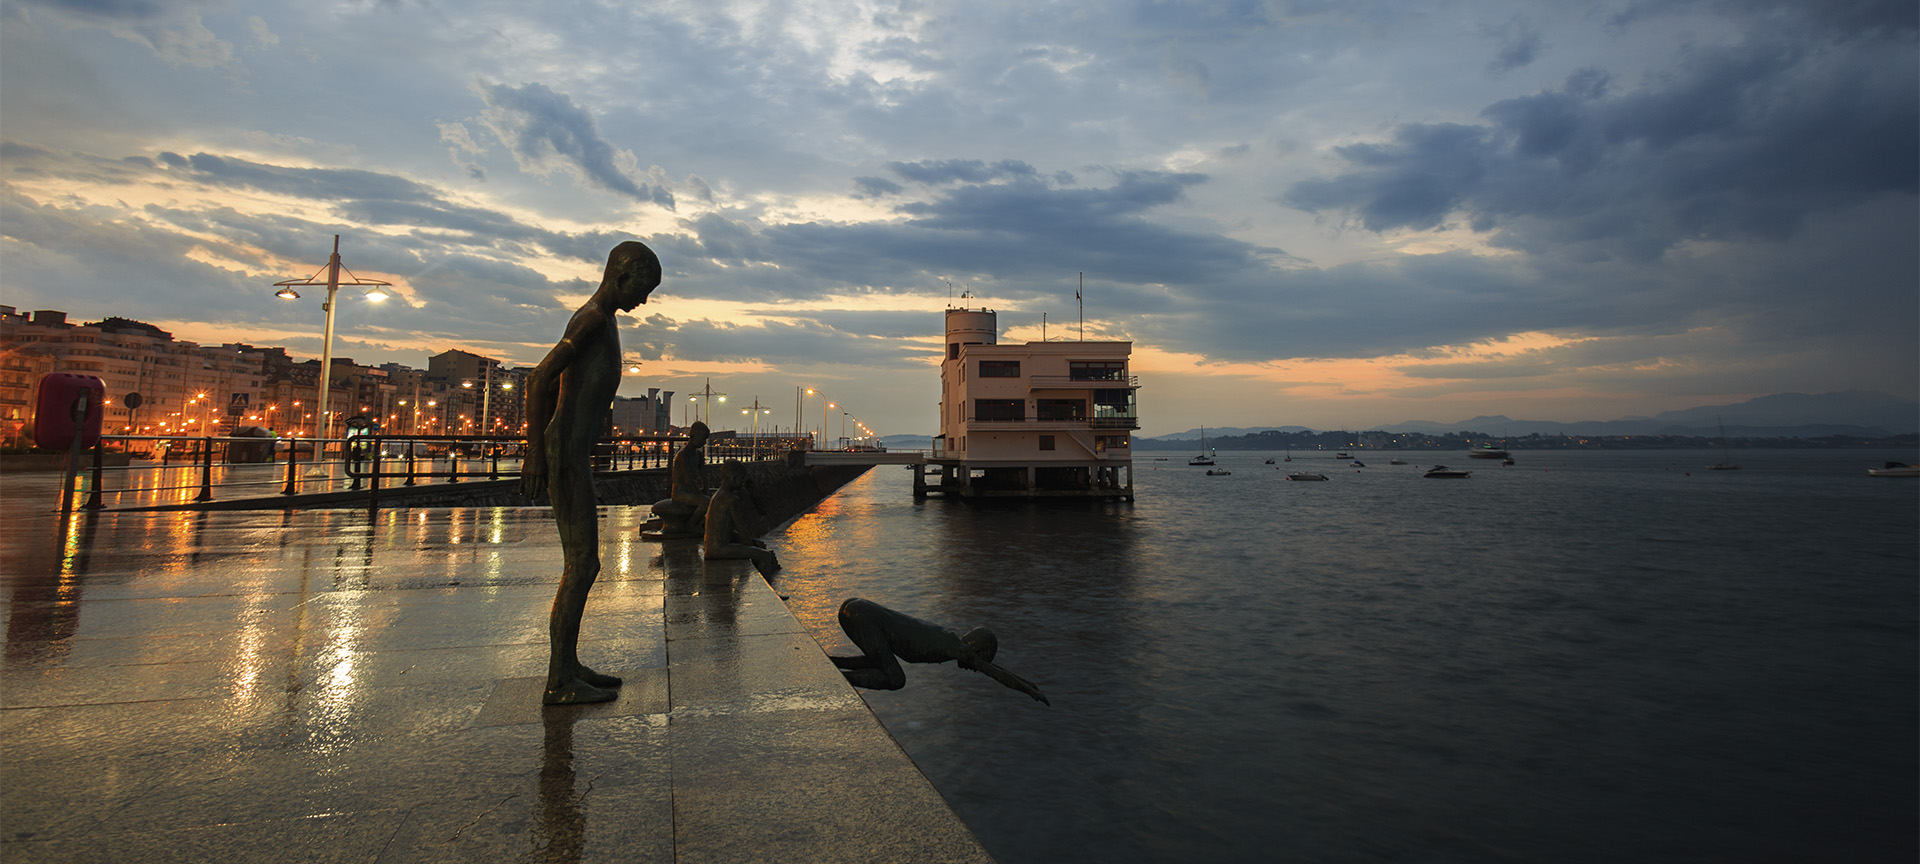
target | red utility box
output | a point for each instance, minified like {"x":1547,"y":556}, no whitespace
{"x":54,"y":426}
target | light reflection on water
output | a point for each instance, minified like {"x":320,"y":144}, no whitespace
{"x":1582,"y":657}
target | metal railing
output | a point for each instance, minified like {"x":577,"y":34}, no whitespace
{"x":1074,"y":382}
{"x":1099,"y":421}
{"x":184,"y":470}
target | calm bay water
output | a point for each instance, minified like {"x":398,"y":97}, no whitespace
{"x":1588,"y":656}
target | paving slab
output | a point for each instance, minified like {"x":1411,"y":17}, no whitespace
{"x":334,"y":686}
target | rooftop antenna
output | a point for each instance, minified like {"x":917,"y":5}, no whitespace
{"x":1083,"y":305}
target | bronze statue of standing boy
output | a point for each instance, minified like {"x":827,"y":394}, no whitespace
{"x":567,"y":399}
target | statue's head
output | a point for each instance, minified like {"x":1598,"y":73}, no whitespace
{"x":982,"y":641}
{"x":697,"y":433}
{"x":633,"y":271}
{"x":730,"y":473}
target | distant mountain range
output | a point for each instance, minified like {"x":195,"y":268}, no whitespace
{"x":1783,"y":415}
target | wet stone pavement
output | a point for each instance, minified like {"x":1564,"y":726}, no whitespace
{"x":315,"y":686}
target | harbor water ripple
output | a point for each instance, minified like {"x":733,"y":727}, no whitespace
{"x":1586,"y":656}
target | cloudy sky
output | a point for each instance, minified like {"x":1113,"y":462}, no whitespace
{"x":1332,"y":214}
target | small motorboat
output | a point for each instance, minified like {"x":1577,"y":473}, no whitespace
{"x":1218,"y":472}
{"x":1342,"y":455}
{"x":1306,"y":475}
{"x":1507,"y":461}
{"x":1895,"y":469}
{"x":1487,"y":451}
{"x":1269,"y":461}
{"x":1359,"y":464}
{"x":1443,"y":472}
{"x":1396,"y":461}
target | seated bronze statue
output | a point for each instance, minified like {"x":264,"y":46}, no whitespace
{"x":727,"y":536}
{"x":685,"y":512}
{"x":882,"y":635}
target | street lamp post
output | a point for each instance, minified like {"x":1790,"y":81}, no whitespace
{"x":753,"y":451}
{"x":333,"y":284}
{"x":708,"y":392}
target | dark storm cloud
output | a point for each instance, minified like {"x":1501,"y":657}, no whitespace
{"x":938,"y":172}
{"x":1739,"y":143}
{"x":801,"y":343}
{"x":875,"y":187}
{"x":319,"y":184}
{"x":171,"y":28}
{"x":539,"y":124}
{"x":1025,"y":235}
{"x":1843,"y":16}
{"x":1517,"y":44}
{"x":461,"y":264}
{"x":354,"y":196}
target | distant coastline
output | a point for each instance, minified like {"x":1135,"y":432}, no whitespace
{"x":1340,"y":440}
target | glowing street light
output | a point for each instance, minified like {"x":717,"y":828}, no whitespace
{"x":377,"y":292}
{"x":753,"y":452}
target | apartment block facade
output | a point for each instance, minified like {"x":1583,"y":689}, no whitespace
{"x":190,"y":389}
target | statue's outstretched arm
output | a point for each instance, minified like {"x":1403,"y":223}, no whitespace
{"x":1010,"y":680}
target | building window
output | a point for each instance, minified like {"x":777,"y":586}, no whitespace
{"x":999,"y":409}
{"x":1097,"y":370}
{"x":953,"y":350}
{"x":999,"y":368}
{"x":1061,"y":409}
{"x":1046,"y":442}
{"x":1103,"y":443}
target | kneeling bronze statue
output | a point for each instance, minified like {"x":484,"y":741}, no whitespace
{"x":684,"y":512}
{"x":727,"y":536}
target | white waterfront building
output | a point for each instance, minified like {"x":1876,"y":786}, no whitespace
{"x":1032,"y":419}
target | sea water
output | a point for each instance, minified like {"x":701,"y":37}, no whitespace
{"x":1585,"y":656}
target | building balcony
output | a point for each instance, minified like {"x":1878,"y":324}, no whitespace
{"x":1069,"y":382}
{"x":1039,"y":424}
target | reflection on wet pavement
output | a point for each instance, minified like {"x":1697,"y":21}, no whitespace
{"x":316,"y":685}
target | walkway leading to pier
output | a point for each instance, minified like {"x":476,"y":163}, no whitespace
{"x":319,"y":686}
{"x":867,"y":457}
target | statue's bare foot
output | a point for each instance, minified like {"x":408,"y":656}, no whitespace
{"x":574,"y":691}
{"x":596,"y":679}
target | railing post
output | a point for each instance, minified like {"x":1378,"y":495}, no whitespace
{"x":493,"y":448}
{"x":373,"y":479}
{"x":453,"y":463}
{"x":293,"y":453}
{"x":99,"y":458}
{"x":206,"y":470}
{"x":410,"y":446}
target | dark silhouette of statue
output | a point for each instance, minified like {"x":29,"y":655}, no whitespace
{"x":727,"y":536}
{"x":882,"y":634}
{"x":684,"y":513}
{"x":567,"y":399}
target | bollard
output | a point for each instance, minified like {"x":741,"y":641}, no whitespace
{"x":493,"y":471}
{"x":373,"y":481}
{"x":99,"y":459}
{"x":453,"y":464}
{"x":206,"y":470}
{"x":410,"y":446}
{"x":293,"y":450}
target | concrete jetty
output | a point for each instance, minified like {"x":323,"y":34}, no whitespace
{"x":333,"y":686}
